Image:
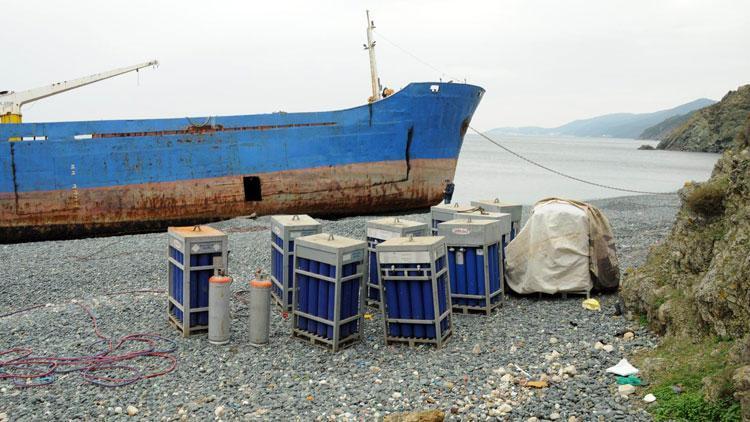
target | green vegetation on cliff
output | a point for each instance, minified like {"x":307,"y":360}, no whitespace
{"x":695,"y":289}
{"x":662,"y":129}
{"x":713,"y":128}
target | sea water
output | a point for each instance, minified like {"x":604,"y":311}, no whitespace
{"x":485,"y":171}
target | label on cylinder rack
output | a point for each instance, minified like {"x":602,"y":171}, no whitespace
{"x":206,"y":247}
{"x":459,"y":258}
{"x":380,"y":234}
{"x":404,"y":257}
{"x":300,"y":233}
{"x":176,"y":244}
{"x":352,"y":256}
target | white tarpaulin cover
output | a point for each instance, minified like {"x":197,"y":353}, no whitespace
{"x":551,"y":253}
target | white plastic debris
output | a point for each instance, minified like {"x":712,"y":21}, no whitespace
{"x":522,"y":371}
{"x":623,"y":368}
{"x":649,"y":398}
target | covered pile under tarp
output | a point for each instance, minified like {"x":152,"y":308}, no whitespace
{"x":565,"y":246}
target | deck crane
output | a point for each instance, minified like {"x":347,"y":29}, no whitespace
{"x":11,"y":102}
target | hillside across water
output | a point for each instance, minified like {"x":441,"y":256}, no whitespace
{"x":617,"y":125}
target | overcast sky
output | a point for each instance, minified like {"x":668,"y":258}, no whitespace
{"x":541,"y":62}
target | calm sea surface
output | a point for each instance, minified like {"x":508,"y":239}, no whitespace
{"x":486,"y":171}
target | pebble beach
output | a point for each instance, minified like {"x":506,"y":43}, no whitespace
{"x":478,"y":375}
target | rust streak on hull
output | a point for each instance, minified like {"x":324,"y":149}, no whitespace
{"x":326,"y":191}
{"x":207,"y":128}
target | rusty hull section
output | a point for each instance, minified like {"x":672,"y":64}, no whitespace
{"x":351,"y":189}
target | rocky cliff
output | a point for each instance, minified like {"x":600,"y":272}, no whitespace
{"x":696,"y":284}
{"x":713,"y":128}
{"x":662,"y":129}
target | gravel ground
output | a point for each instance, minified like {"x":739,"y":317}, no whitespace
{"x":474,"y":376}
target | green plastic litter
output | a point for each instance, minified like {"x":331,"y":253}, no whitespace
{"x":630,"y":379}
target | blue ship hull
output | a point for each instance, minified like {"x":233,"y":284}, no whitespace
{"x":73,"y":179}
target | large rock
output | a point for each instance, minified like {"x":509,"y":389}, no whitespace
{"x":697,"y":282}
{"x":740,"y":351}
{"x":717,"y":386}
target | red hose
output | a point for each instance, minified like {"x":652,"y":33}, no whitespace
{"x":18,"y":368}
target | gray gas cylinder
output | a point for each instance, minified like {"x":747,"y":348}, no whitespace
{"x":260,"y":311}
{"x":219,"y":320}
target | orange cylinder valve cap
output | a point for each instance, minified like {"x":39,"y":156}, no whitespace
{"x":260,"y":283}
{"x":221,"y":279}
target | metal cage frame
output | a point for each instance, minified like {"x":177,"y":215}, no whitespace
{"x":435,"y":248}
{"x":288,"y":228}
{"x":190,"y":241}
{"x":342,"y":251}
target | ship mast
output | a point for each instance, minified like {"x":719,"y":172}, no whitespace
{"x":370,"y":47}
{"x":11,"y":102}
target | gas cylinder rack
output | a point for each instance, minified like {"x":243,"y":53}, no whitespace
{"x":445,"y":212}
{"x":416,"y":301}
{"x":473,"y":264}
{"x":329,"y":290}
{"x":495,"y":205}
{"x":381,"y":230}
{"x":505,"y":228}
{"x":505,"y":219}
{"x":284,"y":230}
{"x":194,"y":254}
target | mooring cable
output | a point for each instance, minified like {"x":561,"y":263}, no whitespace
{"x":508,"y":150}
{"x":559,"y":173}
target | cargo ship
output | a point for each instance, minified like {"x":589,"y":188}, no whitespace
{"x":88,"y":178}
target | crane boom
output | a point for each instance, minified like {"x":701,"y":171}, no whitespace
{"x":11,"y":102}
